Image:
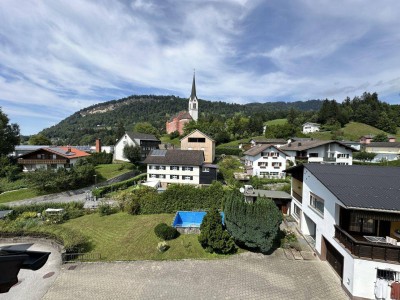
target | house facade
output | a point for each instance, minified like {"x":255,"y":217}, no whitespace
{"x":179,"y":166}
{"x":317,"y":151}
{"x":200,"y":141}
{"x":351,"y":214}
{"x":265,"y":161}
{"x":178,"y":122}
{"x":310,"y":127}
{"x":366,"y":139}
{"x":384,"y":150}
{"x":50,"y":158}
{"x":146,"y":142}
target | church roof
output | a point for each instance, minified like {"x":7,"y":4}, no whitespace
{"x":181,"y":116}
{"x":193,"y":94}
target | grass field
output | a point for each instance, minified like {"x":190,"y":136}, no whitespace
{"x":109,"y":171}
{"x":351,"y":131}
{"x":18,"y":195}
{"x":276,"y":122}
{"x":166,"y":140}
{"x":125,"y":237}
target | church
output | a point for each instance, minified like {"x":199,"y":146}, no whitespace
{"x":178,"y":121}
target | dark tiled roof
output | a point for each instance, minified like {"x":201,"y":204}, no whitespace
{"x":181,"y":116}
{"x":262,"y":140}
{"x":383,"y":145}
{"x":260,"y":148}
{"x":370,"y":187}
{"x":177,"y":157}
{"x":142,"y":136}
{"x":305,"y":145}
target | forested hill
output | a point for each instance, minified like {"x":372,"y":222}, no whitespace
{"x":103,"y":120}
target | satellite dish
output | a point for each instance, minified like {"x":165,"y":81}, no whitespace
{"x":241,"y":190}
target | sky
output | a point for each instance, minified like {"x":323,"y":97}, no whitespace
{"x":59,"y":56}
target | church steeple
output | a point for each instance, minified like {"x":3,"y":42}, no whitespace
{"x":193,"y":104}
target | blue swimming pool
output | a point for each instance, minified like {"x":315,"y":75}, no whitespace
{"x":190,"y":219}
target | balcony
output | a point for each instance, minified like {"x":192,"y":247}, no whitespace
{"x":329,"y":159}
{"x":42,"y":161}
{"x":297,"y":196}
{"x":367,"y":250}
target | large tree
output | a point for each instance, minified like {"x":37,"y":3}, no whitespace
{"x":9,"y":135}
{"x":132,"y":153}
{"x":39,"y":139}
{"x":254,"y":225}
{"x":146,"y":127}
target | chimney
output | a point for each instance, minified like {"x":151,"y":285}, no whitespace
{"x":98,"y":145}
{"x":299,"y":144}
{"x":68,"y":149}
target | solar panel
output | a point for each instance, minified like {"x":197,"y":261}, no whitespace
{"x":158,"y":152}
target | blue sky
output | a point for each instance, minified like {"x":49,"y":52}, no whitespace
{"x":57,"y":57}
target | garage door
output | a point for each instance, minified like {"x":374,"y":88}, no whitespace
{"x":334,"y":258}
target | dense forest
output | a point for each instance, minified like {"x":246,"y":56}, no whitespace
{"x":107,"y":120}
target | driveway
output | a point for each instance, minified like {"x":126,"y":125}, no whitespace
{"x":245,"y":276}
{"x":33,"y":285}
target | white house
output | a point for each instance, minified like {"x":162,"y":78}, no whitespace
{"x":146,"y":142}
{"x":266,"y":161}
{"x":317,"y":151}
{"x":352,"y":213}
{"x":179,"y":166}
{"x":310,"y":127}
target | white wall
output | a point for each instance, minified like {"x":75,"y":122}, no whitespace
{"x":254,"y":160}
{"x":119,"y":147}
{"x":167,"y":172}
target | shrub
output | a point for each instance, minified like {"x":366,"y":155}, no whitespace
{"x":213,"y":237}
{"x":28,"y":215}
{"x":100,"y":192}
{"x":228,"y":151}
{"x":106,"y":209}
{"x":100,"y":158}
{"x":40,"y":207}
{"x":162,"y":246}
{"x":165,"y":232}
{"x":254,"y":225}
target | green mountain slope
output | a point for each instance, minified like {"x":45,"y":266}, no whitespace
{"x":101,"y":120}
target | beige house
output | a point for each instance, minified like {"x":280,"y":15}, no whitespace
{"x":200,"y":141}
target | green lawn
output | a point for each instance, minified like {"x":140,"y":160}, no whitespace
{"x":125,"y":237}
{"x":352,"y":131}
{"x":276,"y":122}
{"x":18,"y":195}
{"x":166,"y":140}
{"x":109,"y":171}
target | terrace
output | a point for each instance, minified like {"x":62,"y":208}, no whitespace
{"x":369,"y":235}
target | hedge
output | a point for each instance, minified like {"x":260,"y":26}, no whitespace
{"x":40,"y":207}
{"x":100,"y":192}
{"x":228,"y":151}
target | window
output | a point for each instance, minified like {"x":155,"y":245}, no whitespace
{"x":341,"y":155}
{"x":274,"y":173}
{"x":153,"y":176}
{"x":313,"y":155}
{"x":205,"y":169}
{"x":196,"y":140}
{"x":54,"y":166}
{"x":67,"y":166}
{"x":187,"y":177}
{"x":173,"y":176}
{"x":262,"y":164}
{"x":317,"y":203}
{"x":264,"y":173}
{"x":162,"y":167}
{"x":161,"y":176}
{"x":187,"y":168}
{"x":276,"y":164}
{"x":296,"y":211}
{"x":174,"y":168}
{"x":150,"y":167}
{"x":362,"y":225}
{"x":274,"y":154}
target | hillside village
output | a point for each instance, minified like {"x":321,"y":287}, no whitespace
{"x":338,"y":197}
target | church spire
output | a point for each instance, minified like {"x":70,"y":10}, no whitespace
{"x":193,"y":95}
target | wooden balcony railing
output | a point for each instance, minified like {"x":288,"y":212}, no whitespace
{"x":297,"y":196}
{"x":42,"y":161}
{"x":368,"y":250}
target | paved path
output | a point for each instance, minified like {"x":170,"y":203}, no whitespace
{"x":245,"y":276}
{"x":33,"y":285}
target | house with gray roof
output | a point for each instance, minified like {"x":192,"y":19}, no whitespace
{"x":319,"y":151}
{"x":384,"y":150}
{"x":146,"y":142}
{"x":351,"y":214}
{"x":179,"y":166}
{"x":265,"y":161}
